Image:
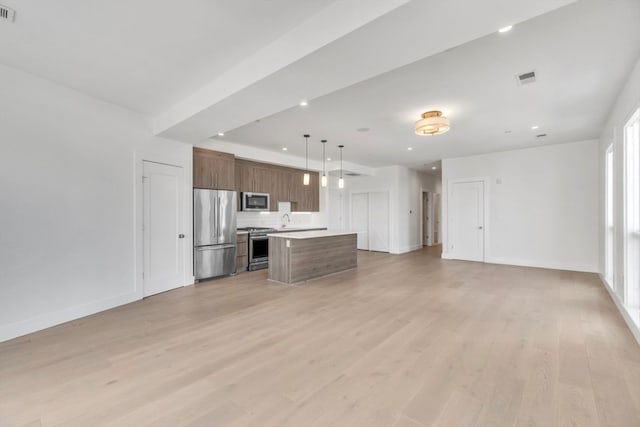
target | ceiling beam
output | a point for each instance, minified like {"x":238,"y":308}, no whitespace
{"x":348,"y":42}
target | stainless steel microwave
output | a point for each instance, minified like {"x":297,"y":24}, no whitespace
{"x":255,"y":202}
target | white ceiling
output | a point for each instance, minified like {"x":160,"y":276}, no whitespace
{"x":581,"y":53}
{"x":195,"y":68}
{"x":145,"y":55}
{"x":346,"y":43}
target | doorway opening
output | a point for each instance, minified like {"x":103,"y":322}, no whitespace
{"x":430,"y":218}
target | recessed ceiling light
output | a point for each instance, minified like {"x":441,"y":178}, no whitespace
{"x":220,"y":133}
{"x":284,"y":148}
{"x":534,"y":127}
{"x":505,"y":29}
{"x":434,"y":167}
{"x":303,"y":103}
{"x":507,"y":131}
{"x":410,"y":148}
{"x":328,"y":159}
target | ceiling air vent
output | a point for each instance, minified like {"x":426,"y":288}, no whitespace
{"x":542,"y":135}
{"x":526,"y":78}
{"x":352,"y":174}
{"x":7,"y":14}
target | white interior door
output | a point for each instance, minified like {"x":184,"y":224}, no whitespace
{"x":466,"y":220}
{"x":379,"y":221}
{"x":360,"y":219}
{"x":163,"y":222}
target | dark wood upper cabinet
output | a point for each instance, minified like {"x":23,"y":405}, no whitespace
{"x":283,"y":184}
{"x":213,"y":169}
{"x":305,"y":198}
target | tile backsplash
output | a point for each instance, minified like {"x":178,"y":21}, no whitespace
{"x":274,"y":219}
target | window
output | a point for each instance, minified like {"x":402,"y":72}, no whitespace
{"x":608,"y":218}
{"x":632,"y":212}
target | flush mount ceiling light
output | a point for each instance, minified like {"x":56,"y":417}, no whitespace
{"x":306,"y":177}
{"x":432,"y":123}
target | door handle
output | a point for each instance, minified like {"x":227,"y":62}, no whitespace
{"x":180,"y":236}
{"x":218,"y":216}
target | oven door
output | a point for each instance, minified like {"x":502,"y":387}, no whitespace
{"x":258,"y":248}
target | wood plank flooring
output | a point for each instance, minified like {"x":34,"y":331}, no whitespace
{"x":403,"y":341}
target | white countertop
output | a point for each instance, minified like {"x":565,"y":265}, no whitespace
{"x":298,"y":229}
{"x":311,"y":234}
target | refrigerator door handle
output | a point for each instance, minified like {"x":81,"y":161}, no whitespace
{"x":213,"y":247}
{"x":218,"y":214}
{"x":216,"y":218}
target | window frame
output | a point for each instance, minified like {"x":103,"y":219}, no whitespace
{"x":631,"y":206}
{"x":610,"y":218}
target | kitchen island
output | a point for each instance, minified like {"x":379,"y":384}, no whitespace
{"x":299,"y":256}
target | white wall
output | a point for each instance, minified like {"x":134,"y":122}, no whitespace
{"x":68,"y":173}
{"x":627,"y":102}
{"x":544,"y":213}
{"x":404,"y":186}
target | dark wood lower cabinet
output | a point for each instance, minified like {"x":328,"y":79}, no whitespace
{"x":242,"y":252}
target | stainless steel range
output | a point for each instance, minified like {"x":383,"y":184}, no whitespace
{"x":258,"y":246}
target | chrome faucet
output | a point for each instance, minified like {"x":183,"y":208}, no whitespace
{"x":284,"y":224}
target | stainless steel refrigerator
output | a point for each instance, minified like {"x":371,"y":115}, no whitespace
{"x":214,"y":233}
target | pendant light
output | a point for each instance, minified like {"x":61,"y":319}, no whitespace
{"x":324,"y":172}
{"x":341,"y":180}
{"x":306,"y":178}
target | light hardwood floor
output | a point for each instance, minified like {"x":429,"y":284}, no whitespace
{"x":404,"y":341}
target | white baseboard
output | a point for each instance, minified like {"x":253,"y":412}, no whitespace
{"x":17,"y":329}
{"x":536,"y":264}
{"x":635,"y":330}
{"x":406,"y":249}
{"x":549,"y":265}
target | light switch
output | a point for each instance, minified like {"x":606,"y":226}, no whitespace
{"x":288,"y":243}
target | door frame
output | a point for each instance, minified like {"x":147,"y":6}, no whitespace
{"x":367,"y":191}
{"x":486,"y":211}
{"x":138,"y":214}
